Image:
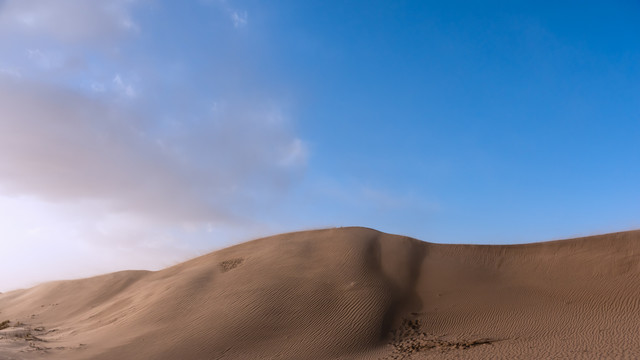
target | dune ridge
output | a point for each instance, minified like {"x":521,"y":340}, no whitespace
{"x":345,"y":293}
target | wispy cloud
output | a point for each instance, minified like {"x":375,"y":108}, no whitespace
{"x":63,"y":145}
{"x":123,"y":87}
{"x":61,"y":141}
{"x":79,"y":129}
{"x":239,"y":18}
{"x":11,"y":72}
{"x":68,"y":20}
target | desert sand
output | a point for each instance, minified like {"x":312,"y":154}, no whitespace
{"x":345,"y":293}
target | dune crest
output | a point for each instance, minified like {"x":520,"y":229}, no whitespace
{"x":345,"y":293}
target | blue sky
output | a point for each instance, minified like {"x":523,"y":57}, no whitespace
{"x":139,"y":133}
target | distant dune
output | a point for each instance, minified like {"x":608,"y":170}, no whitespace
{"x":347,"y":293}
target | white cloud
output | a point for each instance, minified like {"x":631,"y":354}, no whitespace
{"x":67,"y":20}
{"x":73,"y":43}
{"x":42,"y":60}
{"x":295,"y":153}
{"x":96,"y":169}
{"x":98,"y":87}
{"x":65,"y":140}
{"x":239,"y":18}
{"x":122,"y":87}
{"x":62,"y":145}
{"x":111,"y":189}
{"x":10,"y":72}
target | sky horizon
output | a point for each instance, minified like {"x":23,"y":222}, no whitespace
{"x":136,"y":134}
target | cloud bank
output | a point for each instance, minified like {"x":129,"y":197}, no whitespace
{"x":65,"y":146}
{"x":125,"y":170}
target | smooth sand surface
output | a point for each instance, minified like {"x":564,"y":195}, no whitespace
{"x":347,"y":293}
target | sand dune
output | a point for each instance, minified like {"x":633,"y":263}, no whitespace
{"x":348,"y":293}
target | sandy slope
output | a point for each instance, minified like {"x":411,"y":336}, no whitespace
{"x":346,"y":293}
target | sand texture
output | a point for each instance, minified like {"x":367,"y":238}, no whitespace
{"x":347,"y":293}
